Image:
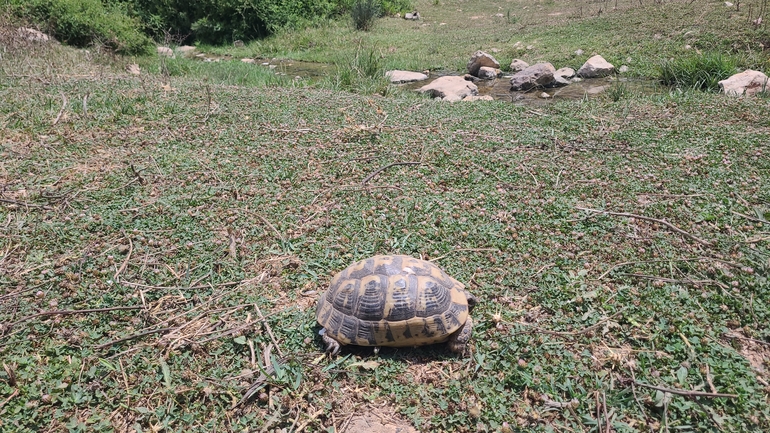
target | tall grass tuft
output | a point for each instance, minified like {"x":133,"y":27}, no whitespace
{"x":700,"y":72}
{"x":364,"y":73}
{"x":364,"y":13}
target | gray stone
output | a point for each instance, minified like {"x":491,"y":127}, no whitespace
{"x":452,"y":98}
{"x":398,"y":77}
{"x":578,"y":52}
{"x":412,"y":16}
{"x":623,"y":69}
{"x":538,"y":75}
{"x":238,"y":43}
{"x":487,"y":73}
{"x":746,"y":83}
{"x":545,"y":95}
{"x":249,"y":61}
{"x":450,"y":85}
{"x":479,"y":59}
{"x":595,"y":67}
{"x":559,"y":81}
{"x":518,"y":65}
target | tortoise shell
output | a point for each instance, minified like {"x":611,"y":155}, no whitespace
{"x":393,"y":301}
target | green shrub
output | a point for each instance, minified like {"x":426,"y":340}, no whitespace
{"x":364,"y":12}
{"x":365,"y":74}
{"x":223,"y":21}
{"x":392,"y":7}
{"x":701,"y":72}
{"x":85,"y":22}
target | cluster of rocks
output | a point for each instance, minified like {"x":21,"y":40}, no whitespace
{"x":483,"y":66}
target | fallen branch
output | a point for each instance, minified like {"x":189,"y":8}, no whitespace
{"x":686,"y":392}
{"x":70,"y":312}
{"x":280,"y":236}
{"x":655,"y":220}
{"x":381,"y":169}
{"x":573,"y":333}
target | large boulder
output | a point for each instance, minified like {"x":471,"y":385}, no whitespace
{"x":595,"y":67}
{"x":747,"y":83}
{"x":480,"y":59}
{"x":398,"y":77}
{"x":449,"y":87}
{"x":537,"y":75}
{"x":518,"y":65}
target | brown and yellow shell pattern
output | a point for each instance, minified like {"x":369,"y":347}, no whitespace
{"x":395,"y":301}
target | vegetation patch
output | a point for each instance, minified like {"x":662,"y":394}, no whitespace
{"x":698,"y":71}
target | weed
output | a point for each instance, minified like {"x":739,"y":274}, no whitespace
{"x":618,"y":90}
{"x":364,"y":13}
{"x":698,"y":71}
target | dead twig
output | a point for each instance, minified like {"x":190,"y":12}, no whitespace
{"x":134,"y":336}
{"x":125,"y":262}
{"x":61,"y":111}
{"x":381,"y":169}
{"x":71,"y":312}
{"x":269,"y":331}
{"x":655,"y":220}
{"x":573,"y":333}
{"x":750,"y":218}
{"x":280,"y":236}
{"x":13,"y":394}
{"x":686,"y":392}
{"x":463,"y":249}
{"x":25,"y":204}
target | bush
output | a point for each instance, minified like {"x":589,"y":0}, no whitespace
{"x":223,"y":21}
{"x":392,"y":7}
{"x":364,"y":12}
{"x":701,"y":72}
{"x":85,"y":22}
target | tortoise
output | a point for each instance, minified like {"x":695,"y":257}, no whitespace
{"x":395,"y":301}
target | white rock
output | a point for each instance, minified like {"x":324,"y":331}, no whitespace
{"x":565,"y":72}
{"x":728,"y":4}
{"x":250,"y":61}
{"x":578,"y":52}
{"x":32,"y":35}
{"x":450,"y":85}
{"x":478,"y":98}
{"x":595,"y":67}
{"x":479,"y":59}
{"x":518,"y":65}
{"x":747,"y":83}
{"x":545,"y":95}
{"x":623,"y":69}
{"x":398,"y":77}
{"x":165,"y":52}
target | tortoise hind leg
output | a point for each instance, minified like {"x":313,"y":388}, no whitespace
{"x":458,"y":341}
{"x":332,"y":345}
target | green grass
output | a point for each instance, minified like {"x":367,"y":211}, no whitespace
{"x":698,"y":71}
{"x":449,"y":32}
{"x":206,"y":202}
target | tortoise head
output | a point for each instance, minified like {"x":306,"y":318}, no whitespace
{"x":472,"y":300}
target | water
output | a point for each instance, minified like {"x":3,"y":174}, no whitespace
{"x":498,"y":88}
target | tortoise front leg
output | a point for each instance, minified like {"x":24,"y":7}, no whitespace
{"x":332,"y":345}
{"x":458,"y":341}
